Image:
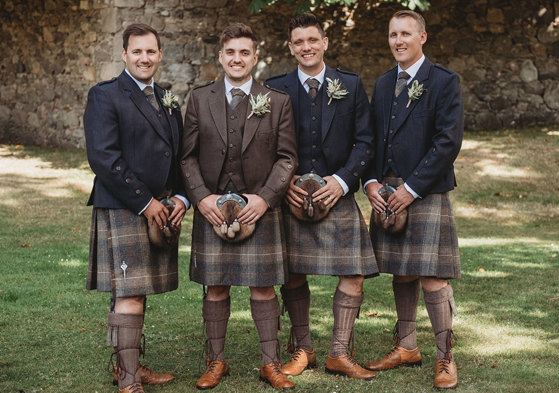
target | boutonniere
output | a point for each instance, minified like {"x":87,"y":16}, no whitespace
{"x":414,"y":92}
{"x":260,"y":105}
{"x":170,"y":101}
{"x":334,"y":90}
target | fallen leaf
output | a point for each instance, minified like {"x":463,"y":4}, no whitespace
{"x":481,"y":270}
{"x":83,"y":330}
{"x":386,"y":330}
{"x":75,"y":229}
{"x":553,"y":299}
{"x":371,"y":314}
{"x":495,"y":366}
{"x":25,"y":245}
{"x":553,"y":255}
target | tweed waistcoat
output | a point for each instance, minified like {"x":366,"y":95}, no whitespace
{"x":311,"y":158}
{"x":232,"y":172}
{"x":396,"y":109}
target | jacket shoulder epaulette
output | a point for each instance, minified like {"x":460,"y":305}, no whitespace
{"x":440,"y":67}
{"x":203,"y":85}
{"x":346,"y":72}
{"x":274,"y":89}
{"x":276,"y":77}
{"x":106,"y":82}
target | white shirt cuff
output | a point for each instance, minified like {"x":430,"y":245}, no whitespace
{"x":414,"y":194}
{"x":342,"y":183}
{"x":141,"y":211}
{"x":367,"y":182}
{"x":183,"y":199}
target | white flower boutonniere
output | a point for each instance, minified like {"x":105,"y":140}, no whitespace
{"x":414,"y":92}
{"x":170,"y":101}
{"x":334,"y":90}
{"x":260,"y":105}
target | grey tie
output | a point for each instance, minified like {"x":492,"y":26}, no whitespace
{"x":237,"y":96}
{"x":401,"y":82}
{"x":313,"y":87}
{"x":148,"y":92}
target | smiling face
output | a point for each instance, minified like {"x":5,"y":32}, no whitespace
{"x":406,"y":40}
{"x":238,"y":57}
{"x":308,"y":47}
{"x":142,"y":57}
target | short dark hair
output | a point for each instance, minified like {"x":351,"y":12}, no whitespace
{"x":305,"y":20}
{"x":237,"y":30}
{"x":411,"y":14}
{"x":139,"y":29}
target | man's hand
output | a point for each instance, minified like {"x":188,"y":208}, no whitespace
{"x":156,"y":212}
{"x":178,"y":212}
{"x":330,"y":193}
{"x":401,"y":199}
{"x":208,"y":208}
{"x":255,"y":208}
{"x":292,"y":195}
{"x":378,"y":202}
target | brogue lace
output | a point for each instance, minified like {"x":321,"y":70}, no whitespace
{"x":444,"y":366}
{"x":211,"y":367}
{"x":299,"y":351}
{"x":136,"y":387}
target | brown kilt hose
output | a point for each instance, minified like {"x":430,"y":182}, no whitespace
{"x":428,"y":246}
{"x":258,"y":261}
{"x":338,"y":245}
{"x":122,"y":260}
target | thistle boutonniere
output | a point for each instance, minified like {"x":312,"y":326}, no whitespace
{"x":170,"y":101}
{"x":414,"y":92}
{"x":260,"y":105}
{"x":334,"y":90}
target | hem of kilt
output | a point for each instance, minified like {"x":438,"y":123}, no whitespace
{"x":237,"y":283}
{"x":334,"y":273}
{"x":446,"y":276}
{"x":118,"y":294}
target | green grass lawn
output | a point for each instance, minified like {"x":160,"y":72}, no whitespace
{"x":52,"y":331}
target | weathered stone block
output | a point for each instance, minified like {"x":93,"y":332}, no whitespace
{"x":551,"y":95}
{"x":129,"y":3}
{"x":110,"y":21}
{"x":528,"y":71}
{"x":110,"y":70}
{"x":495,"y":15}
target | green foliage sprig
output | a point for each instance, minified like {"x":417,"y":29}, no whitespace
{"x":256,"y":6}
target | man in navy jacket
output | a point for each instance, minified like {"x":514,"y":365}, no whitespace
{"x":417,"y":117}
{"x":334,"y":141}
{"x":133,"y":138}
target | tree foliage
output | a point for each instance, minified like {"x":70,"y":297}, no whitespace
{"x":306,"y":5}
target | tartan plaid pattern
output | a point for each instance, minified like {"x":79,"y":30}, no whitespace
{"x":119,"y":236}
{"x":338,"y":245}
{"x":257,"y":261}
{"x":428,"y":246}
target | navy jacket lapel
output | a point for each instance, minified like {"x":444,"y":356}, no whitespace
{"x":388,"y":95}
{"x":131,"y":89}
{"x":217,"y":101}
{"x":159,"y":92}
{"x":328,"y":111}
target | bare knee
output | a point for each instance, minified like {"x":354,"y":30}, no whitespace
{"x":217,"y":293}
{"x":262,"y":293}
{"x":352,"y":286}
{"x":129,"y":305}
{"x":431,"y":284}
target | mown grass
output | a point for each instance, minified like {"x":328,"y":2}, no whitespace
{"x":52,"y":330}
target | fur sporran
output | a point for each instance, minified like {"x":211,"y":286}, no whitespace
{"x":310,"y":210}
{"x":388,"y":221}
{"x":169,"y":234}
{"x":231,"y":230}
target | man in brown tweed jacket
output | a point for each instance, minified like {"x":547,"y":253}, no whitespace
{"x":418,"y":121}
{"x":230,"y":146}
{"x":132,"y":146}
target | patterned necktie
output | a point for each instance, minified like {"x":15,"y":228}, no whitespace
{"x":148,"y":92}
{"x":237,"y":96}
{"x":401,"y":83}
{"x":313,"y":87}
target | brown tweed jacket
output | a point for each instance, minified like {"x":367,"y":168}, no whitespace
{"x":269,"y":152}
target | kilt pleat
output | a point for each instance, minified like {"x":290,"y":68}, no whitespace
{"x":123,"y":261}
{"x":258,"y":261}
{"x":338,"y":245}
{"x":428,"y":246}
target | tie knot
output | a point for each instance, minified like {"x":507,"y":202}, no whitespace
{"x":237,"y":92}
{"x":312,"y":83}
{"x":148,"y":91}
{"x":403,"y":75}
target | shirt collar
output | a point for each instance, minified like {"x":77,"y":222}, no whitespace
{"x":412,"y":70}
{"x":319,"y":77}
{"x":141,"y":85}
{"x":244,"y":87}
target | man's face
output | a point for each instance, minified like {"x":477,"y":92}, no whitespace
{"x":406,"y":40}
{"x":142,"y":57}
{"x":238,"y":57}
{"x":308,"y":47}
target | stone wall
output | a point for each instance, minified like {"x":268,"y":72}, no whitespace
{"x":506,"y":52}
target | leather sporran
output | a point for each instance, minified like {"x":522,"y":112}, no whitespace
{"x":388,"y":221}
{"x":310,"y":210}
{"x":231,"y":230}
{"x":170,"y":233}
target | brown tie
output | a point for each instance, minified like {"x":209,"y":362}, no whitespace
{"x":401,"y":82}
{"x":148,"y":92}
{"x":313,"y":87}
{"x":237,"y":96}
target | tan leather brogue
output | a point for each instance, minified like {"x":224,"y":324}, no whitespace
{"x":272,"y":374}
{"x":214,"y":372}
{"x":397,"y":357}
{"x":148,"y":376}
{"x":136,"y":387}
{"x":346,"y":365}
{"x":446,"y":375}
{"x":299,"y":362}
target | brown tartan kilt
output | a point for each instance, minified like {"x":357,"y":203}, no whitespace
{"x":338,"y":245}
{"x":117,"y":236}
{"x":428,"y":246}
{"x":258,"y":261}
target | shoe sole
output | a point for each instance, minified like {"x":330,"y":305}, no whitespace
{"x":334,"y":372}
{"x":309,"y":366}
{"x":439,"y":389}
{"x":211,"y":387}
{"x":414,"y":364}
{"x":269,"y":383}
